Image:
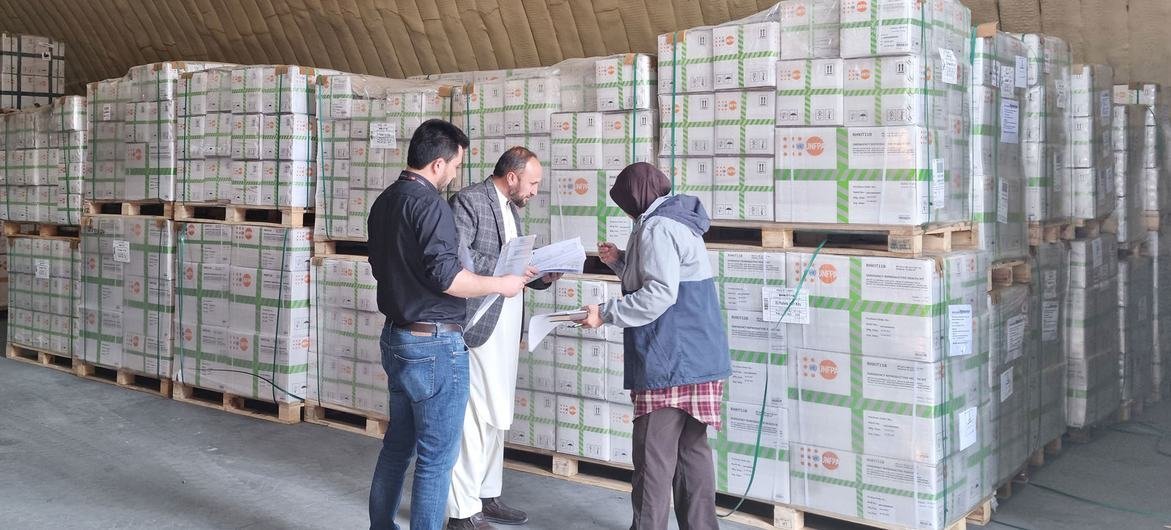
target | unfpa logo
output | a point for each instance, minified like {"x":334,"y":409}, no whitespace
{"x":248,"y":233}
{"x":862,"y":6}
{"x":827,"y":273}
{"x":571,"y":351}
{"x":246,"y":280}
{"x":800,"y":11}
{"x":815,"y":146}
{"x":730,"y":40}
{"x":830,"y":461}
{"x":581,"y":186}
{"x":573,"y":410}
{"x":243,"y":344}
{"x":187,"y":334}
{"x":828,"y":370}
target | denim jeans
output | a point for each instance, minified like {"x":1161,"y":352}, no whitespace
{"x":428,"y":380}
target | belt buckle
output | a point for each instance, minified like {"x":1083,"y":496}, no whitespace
{"x":421,"y":333}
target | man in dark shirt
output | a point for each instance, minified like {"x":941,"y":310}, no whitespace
{"x":422,"y":287}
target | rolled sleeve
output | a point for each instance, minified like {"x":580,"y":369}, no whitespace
{"x":437,"y":237}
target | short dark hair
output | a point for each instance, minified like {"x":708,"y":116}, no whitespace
{"x":435,"y":139}
{"x":514,"y":160}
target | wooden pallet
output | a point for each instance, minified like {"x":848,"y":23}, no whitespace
{"x":209,"y":212}
{"x":147,"y":208}
{"x":56,"y":361}
{"x":850,"y":239}
{"x":1051,"y":449}
{"x":1153,"y":221}
{"x":16,"y":229}
{"x":753,"y":513}
{"x":151,"y":384}
{"x":1131,"y":409}
{"x":1091,"y":228}
{"x":287,"y":413}
{"x":347,"y":419}
{"x":1006,"y":273}
{"x":1050,"y":232}
{"x":337,"y":247}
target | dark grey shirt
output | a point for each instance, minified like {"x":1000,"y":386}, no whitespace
{"x":413,"y":253}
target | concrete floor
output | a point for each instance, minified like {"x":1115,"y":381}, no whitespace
{"x":81,"y":454}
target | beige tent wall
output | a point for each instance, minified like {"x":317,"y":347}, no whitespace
{"x":398,"y":38}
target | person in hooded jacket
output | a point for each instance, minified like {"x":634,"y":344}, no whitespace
{"x":676,"y":349}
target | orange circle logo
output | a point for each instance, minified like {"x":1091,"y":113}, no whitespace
{"x":815,"y":145}
{"x":581,"y":186}
{"x":187,"y":335}
{"x":190,"y":273}
{"x":134,"y":341}
{"x":865,"y":73}
{"x":796,"y":75}
{"x":617,"y":125}
{"x":135,"y":287}
{"x":830,"y":460}
{"x":828,"y":370}
{"x":827,"y":273}
{"x":191,"y":230}
{"x":569,"y":292}
{"x":801,"y":10}
{"x":729,"y":40}
{"x":731,"y":172}
{"x":573,"y":410}
{"x":731,"y":105}
{"x":565,"y":126}
{"x":610,"y":70}
{"x":570,"y":351}
{"x":137,"y":230}
{"x":91,"y":319}
{"x":862,"y":6}
{"x":243,"y":344}
{"x":247,"y":280}
{"x":248,"y":233}
{"x":522,"y":402}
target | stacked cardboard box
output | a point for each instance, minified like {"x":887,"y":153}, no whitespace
{"x":569,"y":389}
{"x":717,"y":124}
{"x":1047,"y":377}
{"x":127,"y":300}
{"x":3,"y":268}
{"x":244,"y":309}
{"x":590,"y":147}
{"x":998,"y":180}
{"x":759,"y":361}
{"x":1159,"y":247}
{"x":133,"y":128}
{"x":1136,"y":277}
{"x":345,"y":360}
{"x":874,"y":325}
{"x":1013,"y":355}
{"x":32,"y":70}
{"x":205,"y":132}
{"x":1045,"y":128}
{"x":366,"y":127}
{"x":900,"y":154}
{"x":45,"y":288}
{"x":1092,"y":345}
{"x":1130,"y":179}
{"x":1092,"y":153}
{"x":44,"y":159}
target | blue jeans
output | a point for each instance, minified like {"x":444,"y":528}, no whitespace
{"x":428,"y":380}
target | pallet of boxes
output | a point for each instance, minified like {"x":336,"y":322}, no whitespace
{"x":44,"y":154}
{"x":1137,"y":148}
{"x":365,"y":128}
{"x":249,"y":144}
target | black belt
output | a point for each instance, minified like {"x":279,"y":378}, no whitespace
{"x":432,"y":328}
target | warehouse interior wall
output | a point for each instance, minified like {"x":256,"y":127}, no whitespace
{"x":399,"y":38}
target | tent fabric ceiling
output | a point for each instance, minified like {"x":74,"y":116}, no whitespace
{"x":399,"y":38}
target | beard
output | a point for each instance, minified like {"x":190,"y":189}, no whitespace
{"x":515,"y":198}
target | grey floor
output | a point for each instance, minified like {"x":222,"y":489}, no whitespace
{"x":80,"y":454}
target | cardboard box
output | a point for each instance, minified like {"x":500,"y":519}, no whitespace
{"x":810,"y":92}
{"x":583,"y":427}
{"x":734,"y":452}
{"x":535,"y":418}
{"x":685,"y":61}
{"x":743,"y":188}
{"x":810,"y":29}
{"x":581,"y":367}
{"x":888,"y":177}
{"x":692,"y":176}
{"x":745,"y":123}
{"x":746,"y":55}
{"x":576,"y":211}
{"x":690,"y":129}
{"x":628,"y":137}
{"x":577,"y":140}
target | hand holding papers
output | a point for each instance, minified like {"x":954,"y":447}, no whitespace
{"x":514,"y":259}
{"x":564,"y":256}
{"x":541,"y":325}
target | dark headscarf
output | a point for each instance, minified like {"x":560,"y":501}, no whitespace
{"x":637,"y":186}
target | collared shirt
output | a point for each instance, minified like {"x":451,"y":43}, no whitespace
{"x":699,"y":400}
{"x":413,"y":253}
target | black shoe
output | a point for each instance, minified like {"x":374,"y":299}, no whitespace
{"x":497,"y":512}
{"x":475,"y":522}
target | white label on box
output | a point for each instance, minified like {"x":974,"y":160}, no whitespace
{"x":1010,"y":113}
{"x":1022,"y":71}
{"x":107,"y":112}
{"x":1096,"y":249}
{"x":1007,"y":80}
{"x":951,"y":70}
{"x":1002,"y":203}
{"x":1005,"y":385}
{"x":383,"y":135}
{"x":959,"y":329}
{"x":1049,"y":313}
{"x":1059,"y":85}
{"x":42,"y":266}
{"x":121,"y":250}
{"x":968,"y":425}
{"x":938,"y":184}
{"x":1105,"y":103}
{"x":1050,"y":278}
{"x":777,"y":306}
{"x":1015,"y":337}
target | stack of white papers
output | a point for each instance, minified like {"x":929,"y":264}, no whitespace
{"x":564,"y":256}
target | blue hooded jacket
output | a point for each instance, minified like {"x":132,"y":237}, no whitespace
{"x":674,"y":330}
